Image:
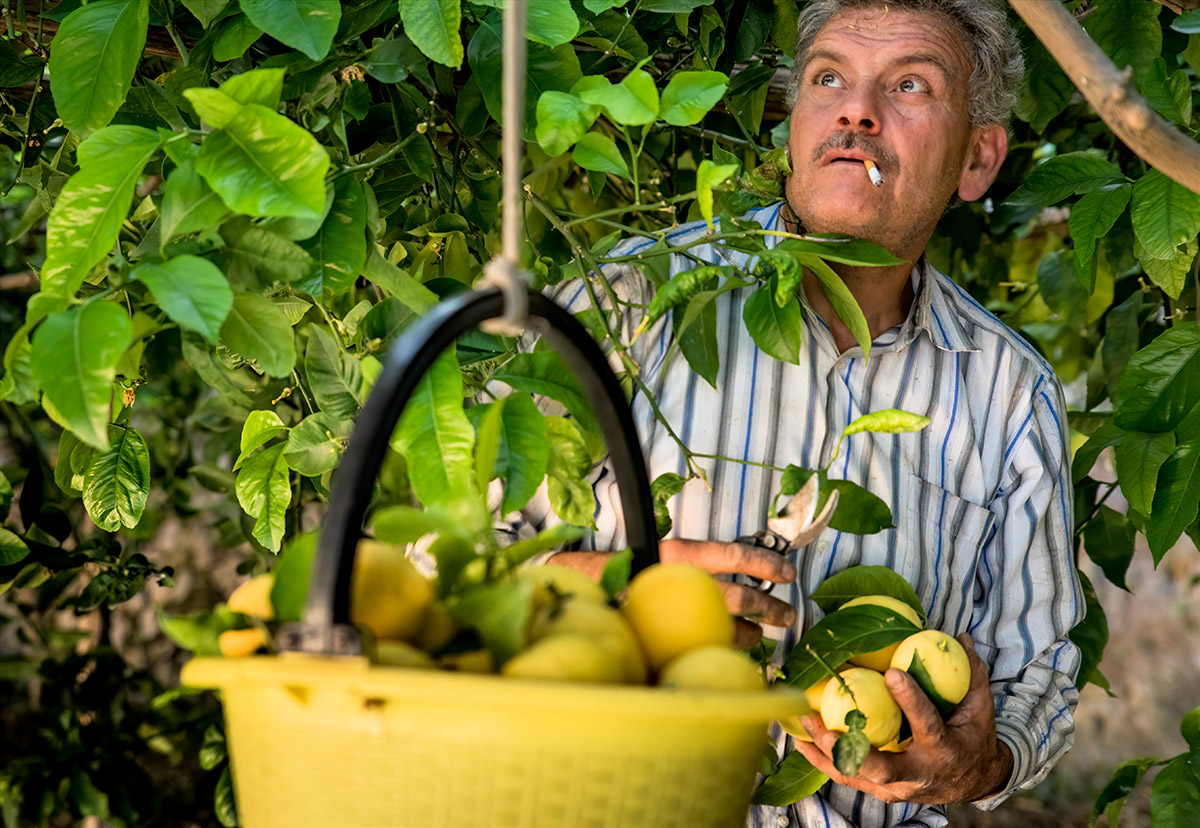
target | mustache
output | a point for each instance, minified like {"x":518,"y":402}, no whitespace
{"x":856,"y":141}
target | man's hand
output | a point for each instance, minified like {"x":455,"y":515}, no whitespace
{"x":751,"y":607}
{"x":959,"y":760}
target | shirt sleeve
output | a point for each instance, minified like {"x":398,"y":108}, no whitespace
{"x":1030,"y":595}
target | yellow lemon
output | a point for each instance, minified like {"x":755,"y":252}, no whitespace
{"x":897,"y":746}
{"x":388,"y":595}
{"x":401,"y":654}
{"x":471,"y":661}
{"x":567,"y":657}
{"x":550,"y":580}
{"x":676,"y":607}
{"x":712,"y":668}
{"x":253,"y":598}
{"x":437,"y":627}
{"x":947,"y":671}
{"x":880,"y":659}
{"x":793,"y":728}
{"x":814,"y":693}
{"x":241,"y":643}
{"x":865,"y":690}
{"x":597,"y":620}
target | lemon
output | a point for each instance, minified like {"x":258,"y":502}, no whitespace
{"x":401,"y":654}
{"x":947,"y":670}
{"x":866,"y":690}
{"x":437,"y":627}
{"x":676,"y":607}
{"x":793,"y":728}
{"x":253,"y":598}
{"x":567,"y":657}
{"x":471,"y":661}
{"x":813,"y":696}
{"x":712,"y":668}
{"x":388,"y":595}
{"x":552,"y":580}
{"x":897,"y":746}
{"x":241,"y":643}
{"x":597,"y":620}
{"x":814,"y":693}
{"x":880,"y":659}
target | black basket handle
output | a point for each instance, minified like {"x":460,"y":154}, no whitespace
{"x":326,"y":626}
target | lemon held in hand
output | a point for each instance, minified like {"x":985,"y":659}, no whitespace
{"x":946,"y":672}
{"x":676,"y":607}
{"x":712,"y":668}
{"x":813,"y":696}
{"x":882,"y":658}
{"x":388,"y":595}
{"x":867,"y":691}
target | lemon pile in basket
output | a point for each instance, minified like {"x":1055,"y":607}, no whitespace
{"x":549,"y":622}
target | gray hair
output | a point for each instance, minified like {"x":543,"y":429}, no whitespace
{"x":998,"y":67}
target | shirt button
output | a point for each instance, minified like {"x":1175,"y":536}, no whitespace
{"x":781,"y":821}
{"x":822,"y":545}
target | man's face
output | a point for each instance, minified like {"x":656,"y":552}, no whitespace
{"x":889,"y":86}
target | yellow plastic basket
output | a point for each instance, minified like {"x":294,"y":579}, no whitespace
{"x":327,"y":743}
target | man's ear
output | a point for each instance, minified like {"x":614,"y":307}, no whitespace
{"x":989,"y":145}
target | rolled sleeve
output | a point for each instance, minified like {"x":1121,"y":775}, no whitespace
{"x":1030,"y":596}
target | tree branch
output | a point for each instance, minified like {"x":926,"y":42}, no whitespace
{"x":1110,"y":91}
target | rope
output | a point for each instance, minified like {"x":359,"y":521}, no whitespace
{"x":502,"y":272}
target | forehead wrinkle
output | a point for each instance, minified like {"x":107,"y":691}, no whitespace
{"x":930,"y":58}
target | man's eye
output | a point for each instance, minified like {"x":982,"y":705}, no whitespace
{"x":827,"y":79}
{"x":912,"y":85}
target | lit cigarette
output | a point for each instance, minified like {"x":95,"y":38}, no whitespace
{"x":873,"y":171}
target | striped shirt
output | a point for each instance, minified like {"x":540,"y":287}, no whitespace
{"x":981,"y":498}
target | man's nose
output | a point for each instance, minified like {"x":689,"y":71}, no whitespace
{"x":860,"y":112}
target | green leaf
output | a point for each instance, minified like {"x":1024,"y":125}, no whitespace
{"x":1139,"y":456}
{"x":851,"y":748}
{"x":486,"y":419}
{"x":887,"y":421}
{"x":6,"y":490}
{"x":843,"y":302}
{"x":269,"y":256}
{"x":191,"y":291}
{"x":198,"y":632}
{"x":544,"y":373}
{"x":1169,"y":93}
{"x":1121,"y":332}
{"x":524,"y":451}
{"x":841,"y":635}
{"x":916,"y":669}
{"x":632,"y":102}
{"x":857,"y":581}
{"x":117,"y":483}
{"x":213,"y":106}
{"x":698,"y":341}
{"x":1109,"y":541}
{"x":12,"y":548}
{"x":17,"y":384}
{"x":257,"y":330}
{"x":556,"y":537}
{"x":1189,"y":728}
{"x":305,"y":25}
{"x":74,"y":359}
{"x":398,"y":283}
{"x":203,"y":361}
{"x":776,"y":330}
{"x":433,"y":27}
{"x":206,"y":11}
{"x":340,"y":246}
{"x":499,"y":612}
{"x":1177,"y":499}
{"x":262,"y":164}
{"x":1074,"y":173}
{"x":290,"y":589}
{"x":223,"y":800}
{"x":795,"y":779}
{"x":96,"y":51}
{"x":1175,"y":795}
{"x":213,"y":749}
{"x":258,"y":86}
{"x":1093,"y":216}
{"x":1187,"y":23}
{"x":388,"y":60}
{"x":16,"y":70}
{"x":1129,"y":33}
{"x":404,"y":524}
{"x":839,"y":248}
{"x":664,"y":487}
{"x":1060,"y":286}
{"x":87,"y":216}
{"x":334,"y":376}
{"x":264,"y":492}
{"x":615,"y":576}
{"x":435,"y":436}
{"x":237,"y":34}
{"x":189,"y":204}
{"x":709,"y":176}
{"x":261,"y":427}
{"x":551,"y":22}
{"x":315,"y":446}
{"x":1161,"y":383}
{"x":689,"y":96}
{"x":858,"y":511}
{"x":1091,"y":636}
{"x":569,"y":465}
{"x":598,"y":153}
{"x":562,"y":119}
{"x":1171,"y":274}
{"x":682,"y":287}
{"x":1125,"y":777}
{"x":1165,"y":214}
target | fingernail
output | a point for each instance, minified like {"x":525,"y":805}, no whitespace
{"x":789,"y":571}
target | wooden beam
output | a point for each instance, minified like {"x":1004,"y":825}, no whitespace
{"x":1112,"y":93}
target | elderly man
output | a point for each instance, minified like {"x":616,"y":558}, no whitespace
{"x":981,"y":498}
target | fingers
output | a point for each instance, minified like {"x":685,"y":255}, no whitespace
{"x":729,"y":558}
{"x":755,"y":605}
{"x":877,"y":771}
{"x":923,"y":717}
{"x":746,"y":634}
{"x":979,"y":704}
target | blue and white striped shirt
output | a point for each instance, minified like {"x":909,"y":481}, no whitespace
{"x":981,"y":498}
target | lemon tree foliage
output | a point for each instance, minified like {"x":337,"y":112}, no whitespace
{"x":218,"y":216}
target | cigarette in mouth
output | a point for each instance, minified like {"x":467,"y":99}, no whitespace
{"x":873,"y":172}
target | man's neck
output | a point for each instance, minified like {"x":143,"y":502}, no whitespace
{"x":884,"y":294}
